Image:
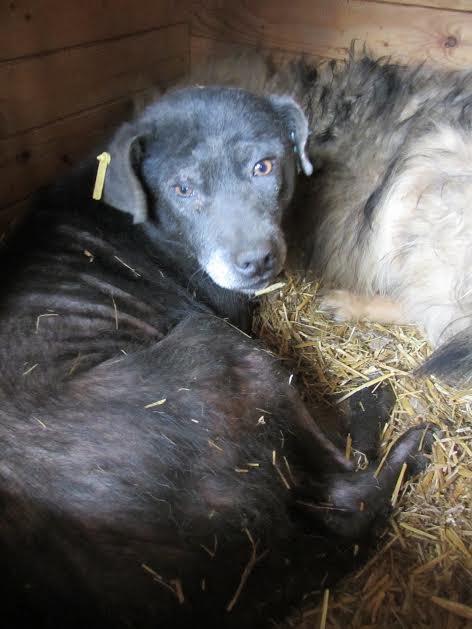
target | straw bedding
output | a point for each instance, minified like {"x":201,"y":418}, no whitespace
{"x":421,"y":574}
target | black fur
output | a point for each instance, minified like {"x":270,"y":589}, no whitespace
{"x":138,"y":426}
{"x":451,"y":361}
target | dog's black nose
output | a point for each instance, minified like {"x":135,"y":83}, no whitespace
{"x":254,"y":263}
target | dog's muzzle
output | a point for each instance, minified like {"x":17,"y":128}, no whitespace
{"x":247,"y":270}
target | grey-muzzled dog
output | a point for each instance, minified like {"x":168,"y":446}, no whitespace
{"x":158,"y":468}
{"x":220,"y":177}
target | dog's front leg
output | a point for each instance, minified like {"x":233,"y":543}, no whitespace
{"x":344,"y":305}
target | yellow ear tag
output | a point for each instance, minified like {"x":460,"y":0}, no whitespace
{"x":103,"y":160}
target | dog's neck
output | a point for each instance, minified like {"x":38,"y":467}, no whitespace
{"x":185,"y":268}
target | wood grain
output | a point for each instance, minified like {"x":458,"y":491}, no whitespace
{"x":28,"y":26}
{"x":453,"y":5}
{"x":326,"y":28}
{"x":29,"y":160}
{"x":204,"y":49}
{"x":43,"y":89}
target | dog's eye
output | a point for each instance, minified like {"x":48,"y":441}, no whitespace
{"x":262,"y":168}
{"x":183,"y":190}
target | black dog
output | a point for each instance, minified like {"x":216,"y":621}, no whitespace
{"x":157,"y":467}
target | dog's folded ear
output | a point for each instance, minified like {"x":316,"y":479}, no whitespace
{"x":123,"y":189}
{"x":296,"y":123}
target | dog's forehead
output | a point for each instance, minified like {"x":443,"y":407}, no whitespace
{"x":195,"y":155}
{"x":220,"y":110}
{"x":229,"y":142}
{"x":195,"y":127}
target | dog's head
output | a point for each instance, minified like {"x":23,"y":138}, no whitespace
{"x":214,"y":168}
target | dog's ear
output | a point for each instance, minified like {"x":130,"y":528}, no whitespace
{"x":296,"y":123}
{"x":123,"y":189}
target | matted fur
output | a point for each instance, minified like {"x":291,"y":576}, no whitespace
{"x":393,"y":191}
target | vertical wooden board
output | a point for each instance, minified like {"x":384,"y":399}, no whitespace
{"x":453,"y":5}
{"x":326,"y":28}
{"x":28,"y":26}
{"x":204,"y":49}
{"x":43,"y":89}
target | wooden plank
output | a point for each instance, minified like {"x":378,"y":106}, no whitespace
{"x":326,"y":28}
{"x":453,"y":5}
{"x":28,"y":26}
{"x":39,"y":90}
{"x":29,"y":160}
{"x":204,"y":49}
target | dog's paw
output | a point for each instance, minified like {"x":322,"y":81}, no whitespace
{"x":341,"y":305}
{"x":414,"y":448}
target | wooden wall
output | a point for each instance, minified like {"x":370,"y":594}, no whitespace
{"x":69,"y":68}
{"x":438,"y":31}
{"x":68,"y":72}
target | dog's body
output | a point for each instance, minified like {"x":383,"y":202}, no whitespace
{"x":386,"y":216}
{"x":158,"y":469}
{"x":392,"y":196}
